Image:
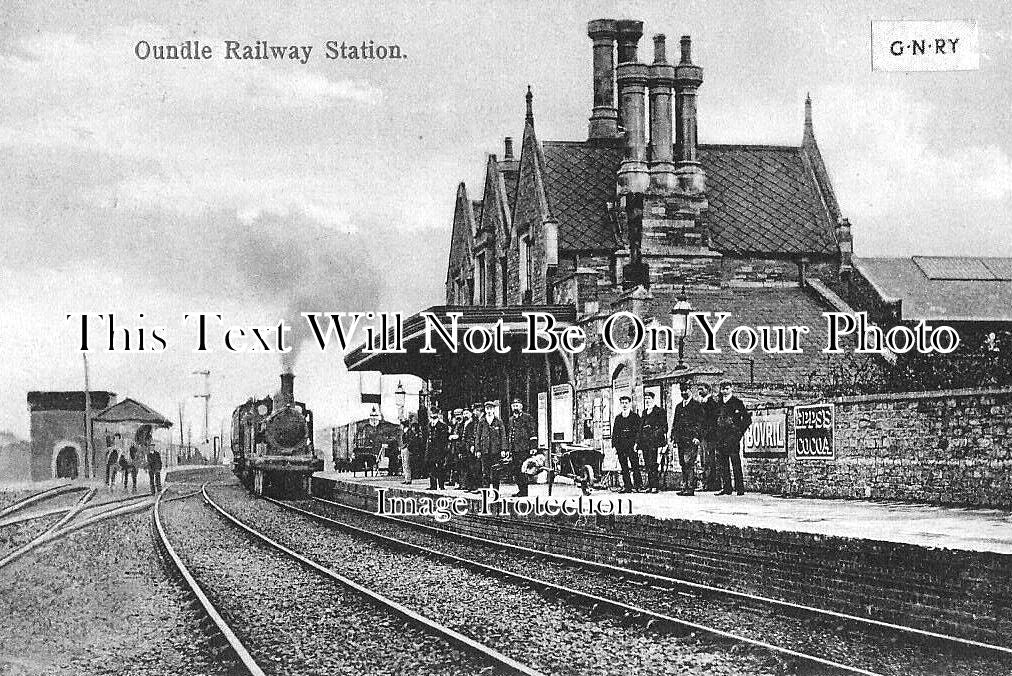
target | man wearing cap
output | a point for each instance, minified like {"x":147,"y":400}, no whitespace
{"x":522,"y":442}
{"x":473,"y":466}
{"x":464,"y":453}
{"x":623,"y":438}
{"x":652,"y":436}
{"x":732,"y":419}
{"x":708,"y":442}
{"x":436,"y":450}
{"x":687,"y":431}
{"x":489,"y":445}
{"x":456,"y":428}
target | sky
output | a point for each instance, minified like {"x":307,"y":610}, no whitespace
{"x":257,"y":189}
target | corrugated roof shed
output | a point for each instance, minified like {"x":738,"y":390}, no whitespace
{"x":938,"y":288}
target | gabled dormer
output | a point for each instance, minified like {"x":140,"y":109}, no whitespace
{"x":459,"y":270}
{"x":533,"y":249}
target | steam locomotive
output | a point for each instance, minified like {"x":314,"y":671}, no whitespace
{"x":272,"y":444}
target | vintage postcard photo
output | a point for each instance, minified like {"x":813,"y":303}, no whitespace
{"x":506,"y":337}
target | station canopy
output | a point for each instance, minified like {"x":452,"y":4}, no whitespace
{"x":428,"y":365}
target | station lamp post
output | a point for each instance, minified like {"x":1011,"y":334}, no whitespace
{"x":680,"y":322}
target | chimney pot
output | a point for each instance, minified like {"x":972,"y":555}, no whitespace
{"x":629,"y":34}
{"x":686,"y":49}
{"x":509,"y":149}
{"x":688,"y":78}
{"x":604,"y":117}
{"x":660,"y":50}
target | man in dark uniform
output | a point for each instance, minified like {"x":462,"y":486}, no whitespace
{"x":732,"y":420}
{"x":470,"y":467}
{"x":623,"y":437}
{"x":154,"y":470}
{"x":708,"y":442}
{"x":686,"y":432}
{"x":456,"y":428}
{"x":653,"y":435}
{"x":436,"y":450}
{"x":522,"y":442}
{"x":489,"y":445}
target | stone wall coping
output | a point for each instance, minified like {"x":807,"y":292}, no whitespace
{"x":917,"y":396}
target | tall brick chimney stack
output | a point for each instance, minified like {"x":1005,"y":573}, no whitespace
{"x":662,"y":79}
{"x":604,"y":118}
{"x":632,"y":79}
{"x":688,"y":78}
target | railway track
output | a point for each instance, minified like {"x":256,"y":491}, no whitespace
{"x":69,"y":519}
{"x":178,"y":570}
{"x":425,"y":646}
{"x":37,"y":497}
{"x":663,"y":599}
{"x":548,"y":632}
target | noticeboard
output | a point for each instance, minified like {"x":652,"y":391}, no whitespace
{"x":562,"y":412}
{"x":813,"y":432}
{"x":766,"y":437}
{"x":542,"y":420}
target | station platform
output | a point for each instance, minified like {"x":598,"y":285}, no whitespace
{"x":977,"y":530}
{"x":937,"y":568}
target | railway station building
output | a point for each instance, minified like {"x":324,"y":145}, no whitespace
{"x":641,"y":217}
{"x":59,"y":437}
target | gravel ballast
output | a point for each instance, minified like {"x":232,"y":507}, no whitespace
{"x":827,"y":638}
{"x":98,"y":602}
{"x":547,"y":634}
{"x":293,"y":620}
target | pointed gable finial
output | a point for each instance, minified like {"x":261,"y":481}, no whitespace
{"x":530,"y":106}
{"x":808,"y":113}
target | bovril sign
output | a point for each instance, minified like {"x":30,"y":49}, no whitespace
{"x":766,"y":437}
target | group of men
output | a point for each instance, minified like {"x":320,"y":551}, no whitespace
{"x":474,"y":448}
{"x":127,"y":462}
{"x":702,"y":426}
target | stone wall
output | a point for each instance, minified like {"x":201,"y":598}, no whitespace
{"x":958,"y":592}
{"x":952,"y":447}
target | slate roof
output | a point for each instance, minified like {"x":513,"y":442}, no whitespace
{"x":940,"y":288}
{"x":580,"y":181}
{"x":763,"y":199}
{"x":762,"y":307}
{"x":130,"y":410}
{"x":510,"y":180}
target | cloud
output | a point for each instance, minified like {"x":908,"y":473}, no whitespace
{"x":888,"y":159}
{"x":63,"y":90}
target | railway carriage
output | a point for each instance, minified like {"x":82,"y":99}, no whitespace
{"x":272,"y":444}
{"x":358,"y":445}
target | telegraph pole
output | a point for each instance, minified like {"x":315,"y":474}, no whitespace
{"x":206,"y":396}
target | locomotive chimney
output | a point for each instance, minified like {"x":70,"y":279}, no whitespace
{"x":287,"y":387}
